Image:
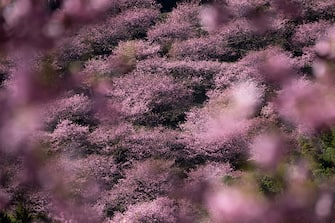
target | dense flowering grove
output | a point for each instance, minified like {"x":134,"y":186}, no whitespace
{"x":157,"y":111}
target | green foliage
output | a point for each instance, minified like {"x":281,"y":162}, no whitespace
{"x":270,"y":185}
{"x":113,"y":208}
{"x":239,"y":161}
{"x":199,"y":93}
{"x":163,"y":17}
{"x":22,"y":214}
{"x":101,"y":49}
{"x":187,"y":164}
{"x":320,"y":151}
{"x":229,"y":180}
{"x":121,"y":155}
{"x":165,"y":48}
{"x":5,"y":218}
{"x":243,"y":43}
{"x":163,"y":115}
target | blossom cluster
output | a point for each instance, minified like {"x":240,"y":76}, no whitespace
{"x":133,"y":111}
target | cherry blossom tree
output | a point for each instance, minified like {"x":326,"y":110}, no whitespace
{"x":167,"y":111}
